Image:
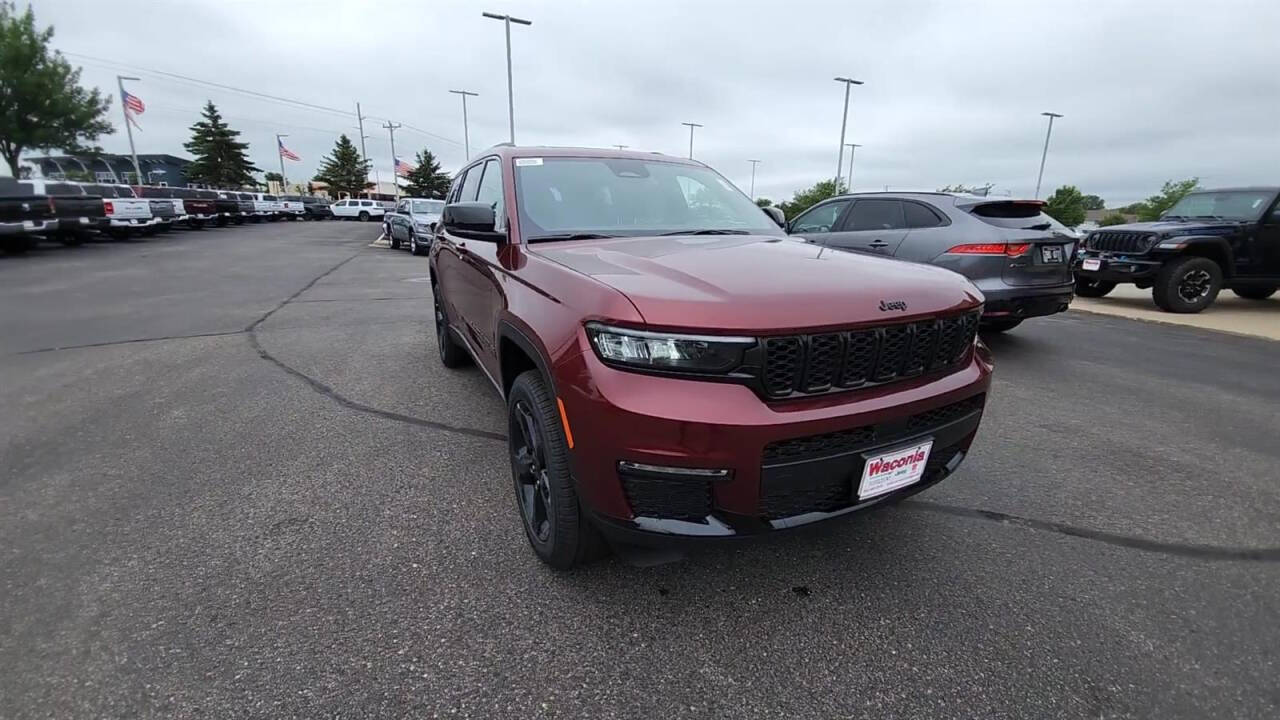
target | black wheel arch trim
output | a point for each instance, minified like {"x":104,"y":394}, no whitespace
{"x":508,"y":331}
{"x":1217,"y":242}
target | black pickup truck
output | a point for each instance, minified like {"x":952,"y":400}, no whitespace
{"x":79,"y":214}
{"x":1209,"y":240}
{"x":24,"y":216}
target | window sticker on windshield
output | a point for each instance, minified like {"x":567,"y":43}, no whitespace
{"x":525,"y":162}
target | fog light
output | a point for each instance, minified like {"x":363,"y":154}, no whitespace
{"x":644,"y":468}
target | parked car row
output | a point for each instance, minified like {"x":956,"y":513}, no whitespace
{"x":72,"y":212}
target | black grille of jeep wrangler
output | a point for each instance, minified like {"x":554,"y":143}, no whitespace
{"x":825,"y":362}
{"x":1123,"y":241}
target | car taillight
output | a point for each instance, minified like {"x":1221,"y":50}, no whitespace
{"x":108,"y":208}
{"x":1010,"y":249}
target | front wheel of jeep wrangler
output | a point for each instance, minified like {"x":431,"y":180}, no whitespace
{"x":1187,"y":285}
{"x":554,"y":522}
{"x":1093,"y":288}
{"x":1255,"y":293}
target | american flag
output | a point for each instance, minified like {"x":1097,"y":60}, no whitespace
{"x":403,"y":168}
{"x":133,"y":104}
{"x":286,"y":153}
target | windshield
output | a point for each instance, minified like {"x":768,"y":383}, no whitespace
{"x":427,"y":207}
{"x":625,"y":196}
{"x":1226,"y":205}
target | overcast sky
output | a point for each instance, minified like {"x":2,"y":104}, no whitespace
{"x":953,"y":93}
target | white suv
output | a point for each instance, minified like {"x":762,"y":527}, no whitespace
{"x":358,"y":208}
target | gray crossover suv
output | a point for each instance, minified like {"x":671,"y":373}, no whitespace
{"x":1018,"y":257}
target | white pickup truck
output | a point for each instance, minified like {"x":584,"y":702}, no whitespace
{"x":126,"y":212}
{"x":292,"y":209}
{"x":266,"y":207}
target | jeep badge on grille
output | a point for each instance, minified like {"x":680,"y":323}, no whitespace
{"x":886,"y":305}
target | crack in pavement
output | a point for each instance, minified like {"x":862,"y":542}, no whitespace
{"x":339,"y":398}
{"x":109,"y":343}
{"x":1188,"y":550}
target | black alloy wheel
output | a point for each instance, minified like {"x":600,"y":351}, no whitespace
{"x":529,"y":467}
{"x":452,"y":354}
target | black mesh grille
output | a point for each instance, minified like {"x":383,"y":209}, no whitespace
{"x":782,"y":364}
{"x":945,"y":414}
{"x":806,"y":495}
{"x":1120,"y":241}
{"x":859,"y":358}
{"x":818,"y":445}
{"x":822,"y":366}
{"x":683,"y":499}
{"x":819,"y":363}
{"x":844,"y":441}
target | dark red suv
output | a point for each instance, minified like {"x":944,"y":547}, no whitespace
{"x":675,"y":367}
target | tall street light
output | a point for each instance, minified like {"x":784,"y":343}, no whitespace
{"x":853,"y":147}
{"x":466,"y":137}
{"x":1045,"y":154}
{"x":691,"y":127}
{"x":511,"y":98}
{"x":844,"y":121}
{"x":754,"y":163}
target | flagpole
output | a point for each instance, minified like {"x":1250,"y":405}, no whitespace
{"x":280,"y":151}
{"x":137,"y":169}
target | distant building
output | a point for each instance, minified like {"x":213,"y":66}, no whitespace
{"x":156,"y":169}
{"x":1097,"y":215}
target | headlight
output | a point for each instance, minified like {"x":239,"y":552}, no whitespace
{"x":419,"y":225}
{"x":668,"y":351}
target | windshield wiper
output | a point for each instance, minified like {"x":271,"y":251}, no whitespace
{"x":1174,"y":217}
{"x":1211,"y":217}
{"x":708,"y":231}
{"x":571,"y":236}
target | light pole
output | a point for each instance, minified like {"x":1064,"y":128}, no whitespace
{"x":511,"y":98}
{"x":395,"y":182}
{"x":691,"y":127}
{"x":466,"y":137}
{"x":853,"y":147}
{"x":137,"y":169}
{"x":844,"y":121}
{"x":754,"y":163}
{"x":283,"y":183}
{"x":1045,"y":154}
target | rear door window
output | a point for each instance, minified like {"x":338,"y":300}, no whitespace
{"x":820,"y":219}
{"x":875,"y":215}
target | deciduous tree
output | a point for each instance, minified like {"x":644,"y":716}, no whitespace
{"x":807,"y":198}
{"x":1173,"y":191}
{"x":1066,"y":205}
{"x":42,"y":105}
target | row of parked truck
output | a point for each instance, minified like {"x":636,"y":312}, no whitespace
{"x":72,"y":212}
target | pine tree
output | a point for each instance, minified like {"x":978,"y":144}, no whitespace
{"x":220,"y":159}
{"x":343,"y":170}
{"x":426,"y":180}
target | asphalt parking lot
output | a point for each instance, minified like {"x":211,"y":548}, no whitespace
{"x":236,"y":482}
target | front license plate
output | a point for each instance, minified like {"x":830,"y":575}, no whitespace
{"x":1051,"y":253}
{"x":892,"y":470}
{"x":1092,"y":264}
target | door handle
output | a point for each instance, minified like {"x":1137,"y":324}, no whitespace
{"x":879,"y":244}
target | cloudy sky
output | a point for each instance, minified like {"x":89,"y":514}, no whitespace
{"x":953,"y":93}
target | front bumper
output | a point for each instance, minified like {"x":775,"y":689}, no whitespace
{"x":619,"y":416}
{"x":1118,"y":268}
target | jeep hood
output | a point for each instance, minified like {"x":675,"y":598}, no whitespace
{"x":760,"y":283}
{"x":1170,"y":228}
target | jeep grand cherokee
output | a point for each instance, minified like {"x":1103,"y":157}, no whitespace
{"x":675,"y":367}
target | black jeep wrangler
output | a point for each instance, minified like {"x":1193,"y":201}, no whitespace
{"x":1208,"y":240}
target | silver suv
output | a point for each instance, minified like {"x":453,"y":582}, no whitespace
{"x":1018,"y":257}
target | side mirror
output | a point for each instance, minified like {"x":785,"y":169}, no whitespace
{"x":777,"y":216}
{"x":474,"y":220}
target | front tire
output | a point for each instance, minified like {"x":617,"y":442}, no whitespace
{"x":1255,"y":293}
{"x":414,"y":247}
{"x":1001,"y":325}
{"x":452,"y":354}
{"x":557,"y":529}
{"x":1093,"y":288}
{"x":1187,"y":285}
